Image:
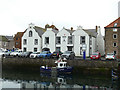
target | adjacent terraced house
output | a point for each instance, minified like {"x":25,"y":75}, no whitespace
{"x":112,"y":38}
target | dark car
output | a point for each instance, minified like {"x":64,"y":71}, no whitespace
{"x":68,"y":55}
{"x":56,"y":54}
{"x":25,"y":54}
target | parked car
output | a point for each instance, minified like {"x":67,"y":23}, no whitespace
{"x":68,"y":55}
{"x":110,"y":56}
{"x":15,"y":53}
{"x":45,"y":54}
{"x":25,"y":54}
{"x":2,"y":54}
{"x":34,"y":54}
{"x":7,"y":53}
{"x":96,"y":55}
{"x":56,"y":54}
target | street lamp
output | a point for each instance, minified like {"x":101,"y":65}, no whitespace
{"x":84,"y":47}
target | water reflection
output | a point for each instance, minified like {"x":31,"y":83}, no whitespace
{"x":26,"y":79}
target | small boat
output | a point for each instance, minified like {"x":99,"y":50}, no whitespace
{"x":61,"y":67}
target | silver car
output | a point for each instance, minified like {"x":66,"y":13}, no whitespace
{"x":68,"y":55}
{"x":110,"y":56}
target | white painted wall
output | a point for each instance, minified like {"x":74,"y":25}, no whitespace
{"x":100,"y":42}
{"x":77,"y":34}
{"x":64,"y":41}
{"x":52,"y":38}
{"x":94,"y":45}
{"x":30,"y":40}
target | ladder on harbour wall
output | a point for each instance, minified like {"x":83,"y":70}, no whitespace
{"x":116,"y":72}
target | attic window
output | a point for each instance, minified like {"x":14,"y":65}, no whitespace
{"x":30,"y":33}
{"x":115,"y":25}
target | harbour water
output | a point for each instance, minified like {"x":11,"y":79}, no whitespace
{"x":22,"y":79}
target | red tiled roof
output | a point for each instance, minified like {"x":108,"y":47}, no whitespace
{"x":112,"y":24}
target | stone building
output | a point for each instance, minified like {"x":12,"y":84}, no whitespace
{"x":10,"y":42}
{"x":112,"y":40}
{"x":18,"y":40}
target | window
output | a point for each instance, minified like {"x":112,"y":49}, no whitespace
{"x":64,"y":37}
{"x":35,"y":49}
{"x":115,"y":52}
{"x":114,"y":36}
{"x":58,"y":40}
{"x":81,"y":51}
{"x":70,"y":48}
{"x":16,"y":43}
{"x":46,"y":40}
{"x":30,"y":33}
{"x":69,"y":39}
{"x":57,"y":48}
{"x":17,"y":38}
{"x":115,"y":25}
{"x":36,"y":41}
{"x":25,"y":41}
{"x":82,"y":40}
{"x":114,"y":44}
{"x":24,"y":49}
{"x":114,"y":29}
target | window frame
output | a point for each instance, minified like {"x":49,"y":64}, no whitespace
{"x":114,"y":35}
{"x":47,"y":41}
{"x":35,"y":41}
{"x":114,"y":44}
{"x":30,"y":33}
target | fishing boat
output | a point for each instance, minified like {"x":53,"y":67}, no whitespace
{"x":61,"y":67}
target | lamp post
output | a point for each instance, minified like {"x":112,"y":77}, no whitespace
{"x":84,"y":47}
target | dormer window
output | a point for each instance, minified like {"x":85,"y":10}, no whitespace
{"x":30,"y":33}
{"x":115,"y":25}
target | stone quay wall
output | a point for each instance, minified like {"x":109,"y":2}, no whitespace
{"x":82,"y":66}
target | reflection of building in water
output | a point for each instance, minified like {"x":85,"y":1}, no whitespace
{"x":59,"y":84}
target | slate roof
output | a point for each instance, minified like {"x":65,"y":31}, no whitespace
{"x":3,"y":38}
{"x":70,"y":31}
{"x":55,"y":31}
{"x":9,"y":37}
{"x":91,"y":32}
{"x":112,"y":23}
{"x":39,"y":30}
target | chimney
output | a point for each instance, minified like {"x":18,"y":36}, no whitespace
{"x":96,"y":28}
{"x":71,"y":28}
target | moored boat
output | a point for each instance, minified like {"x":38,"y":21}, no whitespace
{"x":61,"y":67}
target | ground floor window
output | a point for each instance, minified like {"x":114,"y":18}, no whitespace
{"x":70,"y":48}
{"x":58,"y":48}
{"x":115,"y":52}
{"x":81,"y":51}
{"x":35,"y":49}
{"x":24,"y":49}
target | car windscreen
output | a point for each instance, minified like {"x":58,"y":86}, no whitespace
{"x":95,"y":54}
{"x":110,"y":54}
{"x":67,"y":52}
{"x":44,"y":52}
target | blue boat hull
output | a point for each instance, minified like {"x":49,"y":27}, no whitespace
{"x":59,"y":70}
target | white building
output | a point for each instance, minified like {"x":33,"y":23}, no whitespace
{"x":100,"y":41}
{"x":49,"y":39}
{"x":64,"y":40}
{"x":36,"y":39}
{"x":32,"y":39}
{"x":84,"y":37}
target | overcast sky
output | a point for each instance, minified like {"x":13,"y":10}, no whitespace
{"x":15,"y":15}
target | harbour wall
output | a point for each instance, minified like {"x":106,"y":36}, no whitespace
{"x":80,"y":66}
